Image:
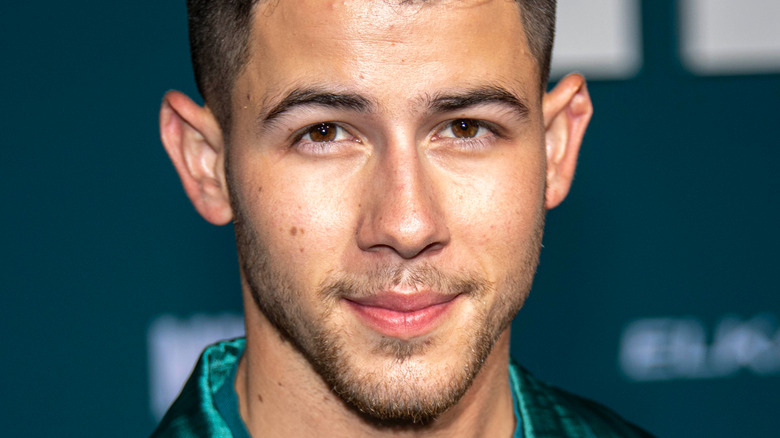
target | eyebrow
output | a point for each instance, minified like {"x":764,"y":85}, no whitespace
{"x":442,"y":102}
{"x":315,"y":97}
{"x":479,"y":96}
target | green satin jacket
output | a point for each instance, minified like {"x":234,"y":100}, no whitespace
{"x":542,"y":410}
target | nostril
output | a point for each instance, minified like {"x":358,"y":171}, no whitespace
{"x":433,"y":248}
{"x":406,"y":247}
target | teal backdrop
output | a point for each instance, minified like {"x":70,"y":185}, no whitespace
{"x":657,"y":290}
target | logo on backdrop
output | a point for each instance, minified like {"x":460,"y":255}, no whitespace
{"x":687,"y":348}
{"x":716,"y":37}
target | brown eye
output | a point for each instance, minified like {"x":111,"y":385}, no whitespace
{"x":323,"y":132}
{"x":465,"y":128}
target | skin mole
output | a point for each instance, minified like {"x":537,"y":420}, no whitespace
{"x":293,"y":231}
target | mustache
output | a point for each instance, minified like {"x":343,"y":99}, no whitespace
{"x":400,"y":276}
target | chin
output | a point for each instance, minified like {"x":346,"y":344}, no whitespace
{"x":406,"y":383}
{"x":399,"y":382}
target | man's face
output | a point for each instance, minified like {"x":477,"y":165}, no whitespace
{"x":387,"y":171}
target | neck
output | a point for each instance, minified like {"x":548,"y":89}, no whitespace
{"x":280,"y":394}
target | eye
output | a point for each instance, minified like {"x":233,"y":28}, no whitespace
{"x":325,"y":132}
{"x":325,"y":139}
{"x":464,"y":128}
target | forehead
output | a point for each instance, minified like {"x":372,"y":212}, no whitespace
{"x":387,"y":49}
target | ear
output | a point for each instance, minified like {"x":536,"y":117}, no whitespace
{"x":567,"y":110}
{"x":193,"y":139}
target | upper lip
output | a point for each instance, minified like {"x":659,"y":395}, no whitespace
{"x":404,"y":302}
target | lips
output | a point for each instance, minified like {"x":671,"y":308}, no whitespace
{"x":401,"y":315}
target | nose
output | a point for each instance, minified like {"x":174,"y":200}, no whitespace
{"x":402,"y":211}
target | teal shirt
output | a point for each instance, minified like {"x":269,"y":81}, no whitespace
{"x":208,"y":406}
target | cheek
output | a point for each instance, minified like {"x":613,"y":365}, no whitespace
{"x":301,"y":221}
{"x":499,"y":213}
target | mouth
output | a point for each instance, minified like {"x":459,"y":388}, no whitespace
{"x":401,"y":315}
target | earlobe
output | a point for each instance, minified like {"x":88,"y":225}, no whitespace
{"x":567,"y":109}
{"x":193,"y":139}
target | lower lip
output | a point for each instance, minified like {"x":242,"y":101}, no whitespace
{"x":404,"y":325}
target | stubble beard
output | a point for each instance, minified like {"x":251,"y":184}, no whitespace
{"x":406,"y":391}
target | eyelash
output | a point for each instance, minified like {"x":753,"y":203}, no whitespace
{"x":480,"y":140}
{"x":318,"y":147}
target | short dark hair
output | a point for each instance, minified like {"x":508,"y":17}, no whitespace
{"x":219,"y":40}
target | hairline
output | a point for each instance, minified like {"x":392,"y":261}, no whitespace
{"x":222,"y":108}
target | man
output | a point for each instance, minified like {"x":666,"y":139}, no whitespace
{"x":387,"y":167}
